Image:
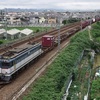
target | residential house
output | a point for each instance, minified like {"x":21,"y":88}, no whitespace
{"x":52,"y":20}
{"x":14,"y":20}
{"x":42,"y":20}
{"x":34,"y":19}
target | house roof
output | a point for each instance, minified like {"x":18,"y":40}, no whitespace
{"x":27,"y":31}
{"x":13,"y":31}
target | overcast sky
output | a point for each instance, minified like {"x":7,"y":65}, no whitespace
{"x":52,"y":4}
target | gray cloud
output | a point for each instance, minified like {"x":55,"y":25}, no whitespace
{"x":55,"y":4}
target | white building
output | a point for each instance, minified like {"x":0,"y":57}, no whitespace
{"x":13,"y":34}
{"x":13,"y":20}
{"x":2,"y":33}
{"x":26,"y":32}
{"x":42,"y":20}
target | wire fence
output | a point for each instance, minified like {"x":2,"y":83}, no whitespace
{"x":71,"y":78}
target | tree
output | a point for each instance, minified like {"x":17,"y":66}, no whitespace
{"x":64,"y":22}
{"x":1,"y":42}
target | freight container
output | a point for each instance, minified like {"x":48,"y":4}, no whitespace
{"x":47,"y":41}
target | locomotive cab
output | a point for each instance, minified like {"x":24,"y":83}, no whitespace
{"x":16,"y":58}
{"x":5,"y":70}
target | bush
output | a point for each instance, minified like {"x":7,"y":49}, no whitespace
{"x":1,"y":42}
{"x":37,"y":30}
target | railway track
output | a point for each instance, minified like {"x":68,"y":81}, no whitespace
{"x":20,"y":81}
{"x":37,"y":38}
{"x":1,"y":86}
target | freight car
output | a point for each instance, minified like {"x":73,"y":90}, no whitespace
{"x":16,"y":58}
{"x":89,"y":21}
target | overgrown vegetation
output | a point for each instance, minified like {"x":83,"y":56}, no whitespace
{"x":71,"y":20}
{"x":79,"y":86}
{"x":95,"y":91}
{"x":51,"y":86}
{"x":2,"y":41}
{"x":96,"y":30}
{"x":95,"y":88}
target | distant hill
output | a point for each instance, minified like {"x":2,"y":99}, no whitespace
{"x":31,"y":10}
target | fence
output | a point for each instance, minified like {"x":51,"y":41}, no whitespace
{"x":67,"y":87}
{"x":71,"y":77}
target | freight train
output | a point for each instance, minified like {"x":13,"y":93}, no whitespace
{"x":16,"y":58}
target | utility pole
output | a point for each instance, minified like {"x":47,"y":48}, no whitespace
{"x":90,"y":20}
{"x":81,"y":22}
{"x":59,"y":37}
{"x":89,"y":28}
{"x":80,"y":18}
{"x":6,"y":23}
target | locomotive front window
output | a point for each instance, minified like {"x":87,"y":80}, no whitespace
{"x":5,"y":65}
